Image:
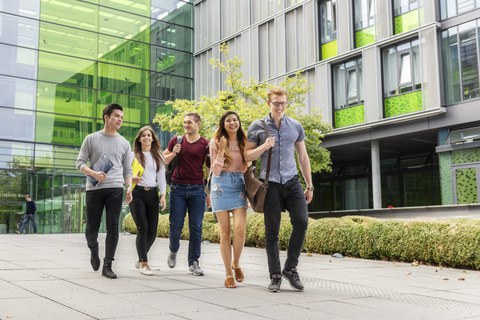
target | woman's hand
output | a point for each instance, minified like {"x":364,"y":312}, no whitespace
{"x":163,"y":202}
{"x":222,"y":144}
{"x":136,"y":179}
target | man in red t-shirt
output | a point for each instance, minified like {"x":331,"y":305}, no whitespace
{"x":187,"y":190}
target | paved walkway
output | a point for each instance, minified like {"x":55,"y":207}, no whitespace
{"x":49,"y":277}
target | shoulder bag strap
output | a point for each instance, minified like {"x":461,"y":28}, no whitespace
{"x":177,"y":171}
{"x":267,"y":175}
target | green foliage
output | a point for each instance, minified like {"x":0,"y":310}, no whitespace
{"x":248,"y":98}
{"x":454,"y":243}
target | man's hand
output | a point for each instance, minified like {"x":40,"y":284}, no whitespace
{"x":100,"y":176}
{"x":128,"y":195}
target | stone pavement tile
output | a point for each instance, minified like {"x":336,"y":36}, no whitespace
{"x":162,"y":316}
{"x":285,"y":311}
{"x":39,"y":309}
{"x":241,"y":314}
{"x":400,"y":310}
{"x":24,"y":274}
{"x":170,"y":302}
{"x":85,"y":300}
{"x":11,"y":291}
{"x":464,"y":295}
{"x":228,"y":298}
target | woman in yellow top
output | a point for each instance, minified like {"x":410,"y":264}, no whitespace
{"x":145,"y":205}
{"x":227,"y":191}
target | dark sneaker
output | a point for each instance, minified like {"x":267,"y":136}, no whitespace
{"x":293,"y":278}
{"x":195,"y":269}
{"x":275,"y":283}
{"x":94,"y":259}
{"x":172,"y":259}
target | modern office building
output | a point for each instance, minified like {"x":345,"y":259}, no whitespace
{"x":397,"y":79}
{"x":61,"y":62}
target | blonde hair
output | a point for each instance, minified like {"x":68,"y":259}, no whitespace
{"x":277,"y":91}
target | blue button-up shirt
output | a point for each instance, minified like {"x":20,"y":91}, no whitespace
{"x":283,"y":166}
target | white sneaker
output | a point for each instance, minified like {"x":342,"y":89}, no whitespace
{"x":145,"y":270}
{"x":137,"y":264}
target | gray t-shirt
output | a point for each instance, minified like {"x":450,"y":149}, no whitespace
{"x":117,"y":150}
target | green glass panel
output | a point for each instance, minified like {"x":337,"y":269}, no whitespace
{"x":135,"y":109}
{"x":365,"y":37}
{"x":445,"y":161}
{"x":140,"y":7}
{"x":403,"y":104}
{"x":172,"y":36}
{"x":125,"y":52}
{"x":466,"y":156}
{"x":329,"y":49}
{"x":122,"y":24}
{"x":78,"y":14}
{"x":63,"y":129}
{"x":123,"y":80}
{"x":59,"y":69}
{"x":407,"y":21}
{"x":466,"y":183}
{"x":66,"y":99}
{"x":49,"y":156}
{"x":68,"y":41}
{"x":349,"y":116}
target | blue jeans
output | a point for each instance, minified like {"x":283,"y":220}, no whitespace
{"x":183,"y":198}
{"x":25,"y":222}
{"x":289,"y":196}
{"x":97,"y":200}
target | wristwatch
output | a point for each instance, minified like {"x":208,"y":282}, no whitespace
{"x":310,"y":188}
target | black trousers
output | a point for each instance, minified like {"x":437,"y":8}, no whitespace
{"x":144,"y":209}
{"x":109,"y":199}
{"x":289,"y":196}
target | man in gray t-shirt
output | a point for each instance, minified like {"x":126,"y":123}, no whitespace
{"x":108,"y":155}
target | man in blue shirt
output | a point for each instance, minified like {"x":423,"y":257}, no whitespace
{"x":286,"y":135}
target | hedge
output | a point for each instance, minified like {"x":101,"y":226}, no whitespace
{"x":454,"y":243}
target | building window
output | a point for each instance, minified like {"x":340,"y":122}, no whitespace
{"x":406,"y":15}
{"x":401,"y":68}
{"x":348,"y":93}
{"x":328,"y":28}
{"x":364,"y":22}
{"x":451,"y":8}
{"x":461,"y":62}
{"x":402,"y":81}
{"x":348,"y":83}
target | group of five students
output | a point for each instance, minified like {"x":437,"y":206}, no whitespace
{"x":230,"y":150}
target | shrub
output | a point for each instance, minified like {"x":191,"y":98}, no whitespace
{"x":454,"y":243}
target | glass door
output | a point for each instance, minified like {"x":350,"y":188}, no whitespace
{"x":74,"y":215}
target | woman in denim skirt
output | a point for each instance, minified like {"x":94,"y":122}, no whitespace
{"x":227,"y":191}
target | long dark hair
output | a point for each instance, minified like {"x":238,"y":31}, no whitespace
{"x":155,"y":150}
{"x":241,"y":137}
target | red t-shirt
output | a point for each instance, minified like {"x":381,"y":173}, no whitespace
{"x":190,"y":161}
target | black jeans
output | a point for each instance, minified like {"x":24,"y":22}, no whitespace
{"x":289,"y":196}
{"x":97,"y":200}
{"x":144,"y":209}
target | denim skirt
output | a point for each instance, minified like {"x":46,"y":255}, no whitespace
{"x":227,"y":191}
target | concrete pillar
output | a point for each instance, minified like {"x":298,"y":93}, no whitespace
{"x":376,"y":176}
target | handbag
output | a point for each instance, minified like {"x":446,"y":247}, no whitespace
{"x":255,"y":189}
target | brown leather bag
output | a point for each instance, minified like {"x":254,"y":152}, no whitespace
{"x":256,"y":190}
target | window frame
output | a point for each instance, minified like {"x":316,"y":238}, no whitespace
{"x":357,"y":67}
{"x":326,"y":6}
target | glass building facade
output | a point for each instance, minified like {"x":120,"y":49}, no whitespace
{"x":62,"y":62}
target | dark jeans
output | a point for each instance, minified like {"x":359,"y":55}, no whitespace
{"x":97,"y":200}
{"x":183,"y":198}
{"x":26,"y":219}
{"x":144,"y":208}
{"x":289,"y":196}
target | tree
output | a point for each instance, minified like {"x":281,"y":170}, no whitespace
{"x":248,"y":98}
